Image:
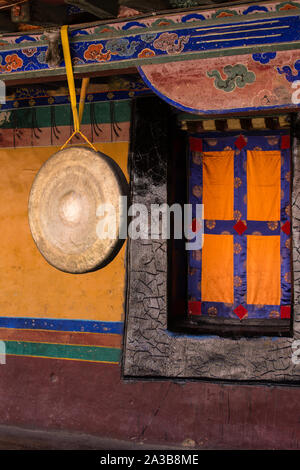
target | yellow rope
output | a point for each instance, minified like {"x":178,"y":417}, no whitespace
{"x":71,"y":84}
{"x":84,"y":86}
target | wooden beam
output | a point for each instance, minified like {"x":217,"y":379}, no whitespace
{"x":63,"y":77}
{"x":99,"y":47}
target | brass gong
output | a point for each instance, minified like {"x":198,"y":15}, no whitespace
{"x":63,"y":203}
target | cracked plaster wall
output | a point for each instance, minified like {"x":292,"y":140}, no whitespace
{"x":150,"y":350}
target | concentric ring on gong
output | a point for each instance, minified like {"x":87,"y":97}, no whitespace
{"x":62,"y":209}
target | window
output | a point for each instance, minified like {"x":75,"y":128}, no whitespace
{"x":240,"y":281}
{"x":161,"y":338}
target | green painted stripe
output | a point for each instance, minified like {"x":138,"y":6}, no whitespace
{"x":63,"y":351}
{"x":63,"y":115}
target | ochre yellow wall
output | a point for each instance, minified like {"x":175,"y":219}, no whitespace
{"x":29,"y":286}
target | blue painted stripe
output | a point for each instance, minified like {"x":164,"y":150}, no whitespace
{"x":220,"y":226}
{"x":64,"y":99}
{"x":241,"y":34}
{"x":55,"y":324}
{"x":195,"y":39}
{"x":240,"y":241}
{"x":195,"y":256}
{"x":285,"y":251}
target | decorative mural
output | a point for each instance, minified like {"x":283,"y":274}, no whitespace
{"x":169,"y":19}
{"x":38,"y":116}
{"x":232,"y":84}
{"x":39,"y":95}
{"x":175,"y":37}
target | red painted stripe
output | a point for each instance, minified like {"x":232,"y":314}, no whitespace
{"x":61,"y":337}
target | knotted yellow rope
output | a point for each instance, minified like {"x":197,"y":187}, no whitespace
{"x":71,"y":84}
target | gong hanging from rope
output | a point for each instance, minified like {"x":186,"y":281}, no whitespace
{"x":71,"y":190}
{"x":64,"y":205}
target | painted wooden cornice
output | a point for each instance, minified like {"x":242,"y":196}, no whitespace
{"x":175,"y":37}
